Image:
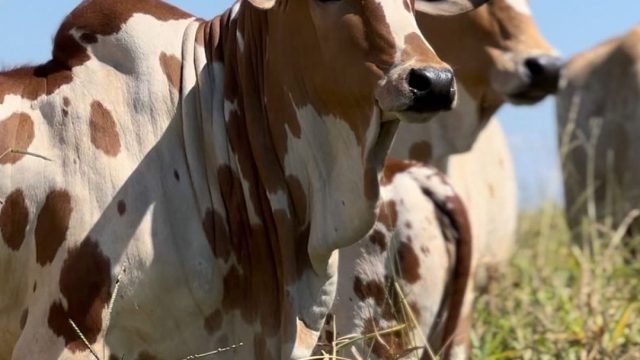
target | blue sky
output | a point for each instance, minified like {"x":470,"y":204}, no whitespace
{"x":27,"y":26}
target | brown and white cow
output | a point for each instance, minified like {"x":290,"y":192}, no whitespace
{"x":413,"y":266}
{"x":511,"y":62}
{"x":598,"y":119}
{"x":199,"y":174}
{"x":500,"y":56}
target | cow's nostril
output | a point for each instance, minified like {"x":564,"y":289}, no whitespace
{"x":544,"y":72}
{"x":419,"y":80}
{"x":433,"y":89}
{"x":534,"y":66}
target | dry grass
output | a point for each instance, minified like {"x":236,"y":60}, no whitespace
{"x":558,"y":301}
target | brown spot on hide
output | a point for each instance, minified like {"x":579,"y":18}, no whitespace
{"x":371,"y":289}
{"x":52,"y":225}
{"x":379,"y":239}
{"x":172,"y":69}
{"x":85,"y":283}
{"x":217,"y":234}
{"x":14,"y":218}
{"x":104,"y":130}
{"x":388,"y":214}
{"x":408,"y":263}
{"x":393,"y":167}
{"x":16,"y":133}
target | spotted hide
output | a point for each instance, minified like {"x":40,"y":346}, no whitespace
{"x":171,"y":185}
{"x":598,"y":120}
{"x":411,"y":270}
{"x":499,"y":55}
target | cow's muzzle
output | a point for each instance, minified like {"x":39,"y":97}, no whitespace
{"x":416,"y":94}
{"x":544,"y":76}
{"x":432,"y":89}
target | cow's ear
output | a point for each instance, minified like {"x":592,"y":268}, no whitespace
{"x":263,"y":4}
{"x":447,"y":7}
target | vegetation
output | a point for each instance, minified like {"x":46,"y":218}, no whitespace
{"x":557,"y":300}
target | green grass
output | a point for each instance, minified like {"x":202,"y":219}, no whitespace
{"x":560,"y":301}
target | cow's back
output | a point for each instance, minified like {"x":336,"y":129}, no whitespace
{"x":598,"y":117}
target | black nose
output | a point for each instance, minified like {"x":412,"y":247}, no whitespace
{"x":433,"y":89}
{"x":545,"y":72}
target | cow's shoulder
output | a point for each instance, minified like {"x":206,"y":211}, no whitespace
{"x":79,"y":31}
{"x":100,"y":18}
{"x":105,"y":17}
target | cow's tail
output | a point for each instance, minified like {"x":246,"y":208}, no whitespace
{"x":455,"y":225}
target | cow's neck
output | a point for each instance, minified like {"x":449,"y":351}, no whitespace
{"x":262,"y":181}
{"x":275,"y":164}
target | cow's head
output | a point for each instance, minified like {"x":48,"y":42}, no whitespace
{"x":498,"y":53}
{"x":346,"y":54}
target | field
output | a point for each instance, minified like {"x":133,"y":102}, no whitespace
{"x":558,"y":301}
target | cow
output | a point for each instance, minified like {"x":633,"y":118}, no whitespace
{"x":597,"y":117}
{"x":500,"y":56}
{"x":512,"y":62}
{"x":171,"y":186}
{"x":411,"y":269}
